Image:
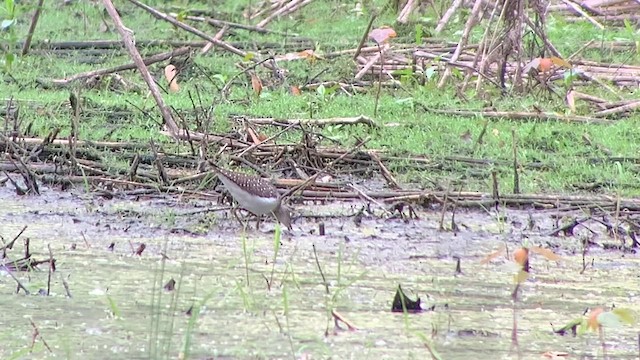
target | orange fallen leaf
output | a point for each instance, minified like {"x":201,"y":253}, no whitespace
{"x":493,"y":255}
{"x":256,"y":83}
{"x":521,"y":256}
{"x":171,"y":74}
{"x":295,"y":91}
{"x":548,"y":254}
{"x":571,"y":101}
{"x":545,"y":65}
{"x":555,"y":354}
{"x":592,"y":321}
{"x":382,"y":34}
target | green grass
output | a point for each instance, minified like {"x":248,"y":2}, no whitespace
{"x":564,"y":161}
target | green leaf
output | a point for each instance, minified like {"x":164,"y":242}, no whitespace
{"x":626,"y":316}
{"x":249,"y":56}
{"x":609,"y":319}
{"x":6,"y":24}
{"x":419,"y":34}
{"x":11,"y":8}
{"x":430,"y":72}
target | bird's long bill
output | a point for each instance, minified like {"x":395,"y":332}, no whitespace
{"x":283,"y":214}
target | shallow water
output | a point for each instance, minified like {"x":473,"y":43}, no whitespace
{"x":118,"y":302}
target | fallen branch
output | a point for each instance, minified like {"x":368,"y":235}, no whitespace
{"x":360,"y":119}
{"x":147,"y":61}
{"x":219,"y":43}
{"x":510,"y":115}
{"x":129,"y":43}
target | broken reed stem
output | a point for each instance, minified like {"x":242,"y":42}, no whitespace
{"x":130,"y":44}
{"x":32,"y":28}
{"x":73,"y":139}
{"x":379,"y":87}
{"x":485,"y":125}
{"x":514,"y":330}
{"x":9,"y":245}
{"x":36,"y":335}
{"x":324,"y":279}
{"x":364,"y":37}
{"x":516,"y":179}
{"x":444,"y":209}
{"x":312,"y":178}
{"x":616,"y":218}
{"x":51,"y":268}
{"x":454,"y":226}
{"x":495,"y":192}
{"x":20,"y":286}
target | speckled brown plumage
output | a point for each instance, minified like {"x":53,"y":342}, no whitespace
{"x":254,"y":194}
{"x":253,"y":184}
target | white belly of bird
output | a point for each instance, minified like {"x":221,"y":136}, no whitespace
{"x":256,"y":204}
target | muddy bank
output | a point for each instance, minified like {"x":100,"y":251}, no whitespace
{"x":224,"y":273}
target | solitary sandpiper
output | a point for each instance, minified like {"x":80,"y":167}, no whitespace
{"x":254,"y":194}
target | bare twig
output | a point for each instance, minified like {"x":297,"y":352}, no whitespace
{"x":32,"y":28}
{"x":129,"y":43}
{"x":147,"y":61}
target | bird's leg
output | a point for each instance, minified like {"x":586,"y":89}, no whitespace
{"x":234,"y":211}
{"x":258,"y":222}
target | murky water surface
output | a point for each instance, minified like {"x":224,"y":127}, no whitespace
{"x":119,"y":309}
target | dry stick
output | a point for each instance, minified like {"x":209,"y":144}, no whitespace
{"x":447,"y":15}
{"x":75,"y":122}
{"x":217,"y":36}
{"x":489,"y":48}
{"x":620,"y":109}
{"x":36,"y":334}
{"x":471,"y":21}
{"x":51,"y":267}
{"x":587,"y":45}
{"x":516,"y":178}
{"x":227,"y":86}
{"x":20,"y":286}
{"x":113,"y":44}
{"x":130,"y":45}
{"x":403,"y":18}
{"x":338,"y":317}
{"x":360,"y":119}
{"x":480,"y":136}
{"x":66,"y":286}
{"x":312,"y":178}
{"x":523,"y":115}
{"x":456,"y":63}
{"x":364,"y":37}
{"x":601,"y":83}
{"x":148,"y":61}
{"x":541,"y":34}
{"x":228,"y":24}
{"x":480,"y":57}
{"x":276,"y":135}
{"x":385,"y":172}
{"x":191,"y":29}
{"x":324,"y":279}
{"x":99,"y":144}
{"x":379,"y":87}
{"x":9,"y":245}
{"x":292,"y":6}
{"x":32,"y":28}
{"x":369,"y":198}
{"x":495,"y":189}
{"x":372,"y":61}
{"x":444,"y":209}
{"x":582,"y":13}
{"x":519,"y":52}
